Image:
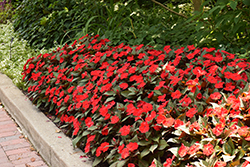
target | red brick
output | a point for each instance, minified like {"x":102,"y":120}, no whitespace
{"x":11,"y":142}
{"x":18,"y":151}
{"x":3,"y":160}
{"x":22,"y":161}
{"x":8,"y":164}
{"x":24,"y":155}
{"x":6,"y":134}
{"x":8,"y":129}
{"x":6,"y":122}
{"x":36,"y":163}
{"x":6,"y":126}
{"x":5,"y":118}
{"x":16,"y":146}
{"x":2,"y":153}
{"x":9,"y":138}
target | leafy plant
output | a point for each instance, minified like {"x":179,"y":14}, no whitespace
{"x":6,"y":11}
{"x":137,"y":106}
{"x":14,"y":53}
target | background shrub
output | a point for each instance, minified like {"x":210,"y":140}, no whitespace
{"x":136,"y":106}
{"x":136,"y":22}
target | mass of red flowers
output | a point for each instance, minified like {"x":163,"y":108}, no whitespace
{"x":136,"y":106}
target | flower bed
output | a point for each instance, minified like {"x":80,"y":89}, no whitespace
{"x":136,"y":106}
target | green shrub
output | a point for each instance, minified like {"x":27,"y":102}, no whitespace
{"x":136,"y":106}
{"x":6,"y":11}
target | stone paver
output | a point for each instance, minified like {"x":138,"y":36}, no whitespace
{"x":15,"y":150}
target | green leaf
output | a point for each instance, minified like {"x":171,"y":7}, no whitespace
{"x":162,"y":144}
{"x":92,"y":128}
{"x":76,"y":140}
{"x":246,"y":2}
{"x":153,"y":147}
{"x":143,"y":163}
{"x":145,"y":152}
{"x":227,"y":148}
{"x":122,"y":163}
{"x":97,"y":161}
{"x":237,"y":18}
{"x":144,"y":143}
{"x":233,"y":4}
{"x":110,"y":93}
{"x":109,"y":99}
{"x":158,"y":92}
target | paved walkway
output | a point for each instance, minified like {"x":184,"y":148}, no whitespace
{"x":15,"y":150}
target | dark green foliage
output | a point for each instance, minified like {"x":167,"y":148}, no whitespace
{"x":221,"y":24}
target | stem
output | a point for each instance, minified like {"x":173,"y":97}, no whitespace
{"x":179,"y":14}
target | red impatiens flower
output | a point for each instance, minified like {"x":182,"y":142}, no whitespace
{"x":208,"y":149}
{"x":102,"y":148}
{"x":132,"y":146}
{"x":89,"y":122}
{"x":191,"y":112}
{"x":123,"y":85}
{"x":215,"y":96}
{"x":218,"y":129}
{"x":105,"y":130}
{"x":183,"y":150}
{"x":176,"y":95}
{"x":229,"y":86}
{"x":114,"y":119}
{"x":243,"y":131}
{"x":212,"y":79}
{"x":178,"y":123}
{"x":125,"y":153}
{"x":193,"y":149}
{"x":131,"y":165}
{"x":220,"y":164}
{"x":125,"y":130}
{"x":144,"y":127}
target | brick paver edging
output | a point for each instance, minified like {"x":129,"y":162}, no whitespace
{"x":15,"y":150}
{"x":55,"y":148}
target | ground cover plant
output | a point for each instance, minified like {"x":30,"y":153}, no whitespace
{"x":137,"y":106}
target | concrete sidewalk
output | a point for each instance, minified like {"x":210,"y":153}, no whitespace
{"x":15,"y":150}
{"x":55,"y":148}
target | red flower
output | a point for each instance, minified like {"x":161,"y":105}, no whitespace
{"x":218,"y":129}
{"x":168,"y":162}
{"x":125,"y":130}
{"x":191,"y":112}
{"x":193,"y":149}
{"x":168,"y":122}
{"x":151,"y":116}
{"x":144,"y":127}
{"x":208,"y":149}
{"x":229,"y":86}
{"x":125,"y":153}
{"x":215,"y":96}
{"x":123,"y":85}
{"x":220,"y":164}
{"x":183,"y":150}
{"x":178,"y":123}
{"x":212,"y":79}
{"x":89,"y":122}
{"x":243,"y":131}
{"x":105,"y":131}
{"x":103,"y":148}
{"x":131,"y":165}
{"x":176,"y":95}
{"x":114,"y":119}
{"x":132,"y":146}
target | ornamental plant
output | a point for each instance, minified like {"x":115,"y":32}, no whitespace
{"x":137,"y":106}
